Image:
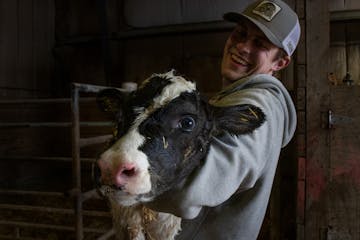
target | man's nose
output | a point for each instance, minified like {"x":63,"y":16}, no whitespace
{"x":244,"y":45}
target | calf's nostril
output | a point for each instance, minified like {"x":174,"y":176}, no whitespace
{"x":128,"y":172}
{"x":124,"y":174}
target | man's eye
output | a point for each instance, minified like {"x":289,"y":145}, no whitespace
{"x":260,"y":44}
{"x":187,"y":124}
{"x":238,"y":35}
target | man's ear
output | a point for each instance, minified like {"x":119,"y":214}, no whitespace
{"x":110,"y":100}
{"x":239,"y":119}
{"x":281,"y":63}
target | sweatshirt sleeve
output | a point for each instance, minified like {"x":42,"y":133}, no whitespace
{"x":233,"y":163}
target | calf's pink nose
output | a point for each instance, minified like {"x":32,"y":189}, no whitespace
{"x":124,"y":173}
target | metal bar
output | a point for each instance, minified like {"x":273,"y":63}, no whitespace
{"x":45,"y":100}
{"x":94,"y":140}
{"x":89,"y":213}
{"x":334,"y":119}
{"x":54,"y":124}
{"x":37,"y":193}
{"x":61,"y":159}
{"x":107,"y":235}
{"x":5,"y":237}
{"x":76,"y":161}
{"x":92,"y":194}
{"x":345,"y":15}
{"x":82,"y":87}
{"x":90,"y":88}
{"x":50,"y":226}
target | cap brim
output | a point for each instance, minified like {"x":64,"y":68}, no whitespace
{"x":236,"y":17}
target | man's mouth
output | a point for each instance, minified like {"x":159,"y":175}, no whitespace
{"x":238,"y":60}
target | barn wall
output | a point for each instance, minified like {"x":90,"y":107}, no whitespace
{"x":84,"y":51}
{"x":27,"y":38}
{"x":331,"y":207}
{"x":36,"y":157}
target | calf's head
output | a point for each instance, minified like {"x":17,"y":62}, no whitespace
{"x":163,"y":132}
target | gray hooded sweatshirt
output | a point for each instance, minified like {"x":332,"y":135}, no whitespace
{"x":227,"y":197}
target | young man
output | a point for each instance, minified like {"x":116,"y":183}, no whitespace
{"x":227,"y":197}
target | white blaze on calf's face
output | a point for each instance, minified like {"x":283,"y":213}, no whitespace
{"x":125,"y":152}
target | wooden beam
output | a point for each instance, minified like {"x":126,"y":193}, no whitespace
{"x":317,"y":103}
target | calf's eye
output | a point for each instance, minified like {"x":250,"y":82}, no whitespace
{"x":187,"y":124}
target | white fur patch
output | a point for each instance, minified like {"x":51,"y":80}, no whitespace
{"x":141,"y":223}
{"x":170,"y":92}
{"x":125,"y":151}
{"x":173,"y":90}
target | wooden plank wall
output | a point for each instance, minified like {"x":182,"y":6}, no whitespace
{"x":344,"y":174}
{"x":339,"y":5}
{"x":83,"y":52}
{"x":317,"y":101}
{"x":27,"y":38}
{"x":332,"y":51}
{"x":35,"y":165}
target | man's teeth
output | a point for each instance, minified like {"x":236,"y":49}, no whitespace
{"x":238,"y":60}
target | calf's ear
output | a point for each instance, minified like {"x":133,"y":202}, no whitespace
{"x":239,"y":119}
{"x":110,"y":100}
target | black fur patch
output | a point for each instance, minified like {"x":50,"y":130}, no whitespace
{"x":144,"y":96}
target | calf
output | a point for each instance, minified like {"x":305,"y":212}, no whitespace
{"x":163,"y":133}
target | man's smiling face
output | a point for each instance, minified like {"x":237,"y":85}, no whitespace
{"x":248,"y":51}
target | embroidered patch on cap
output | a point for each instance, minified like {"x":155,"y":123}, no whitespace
{"x":266,"y":10}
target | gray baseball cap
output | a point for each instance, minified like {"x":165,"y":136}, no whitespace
{"x":276,"y":19}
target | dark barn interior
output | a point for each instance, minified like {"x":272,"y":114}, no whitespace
{"x":56,"y":54}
